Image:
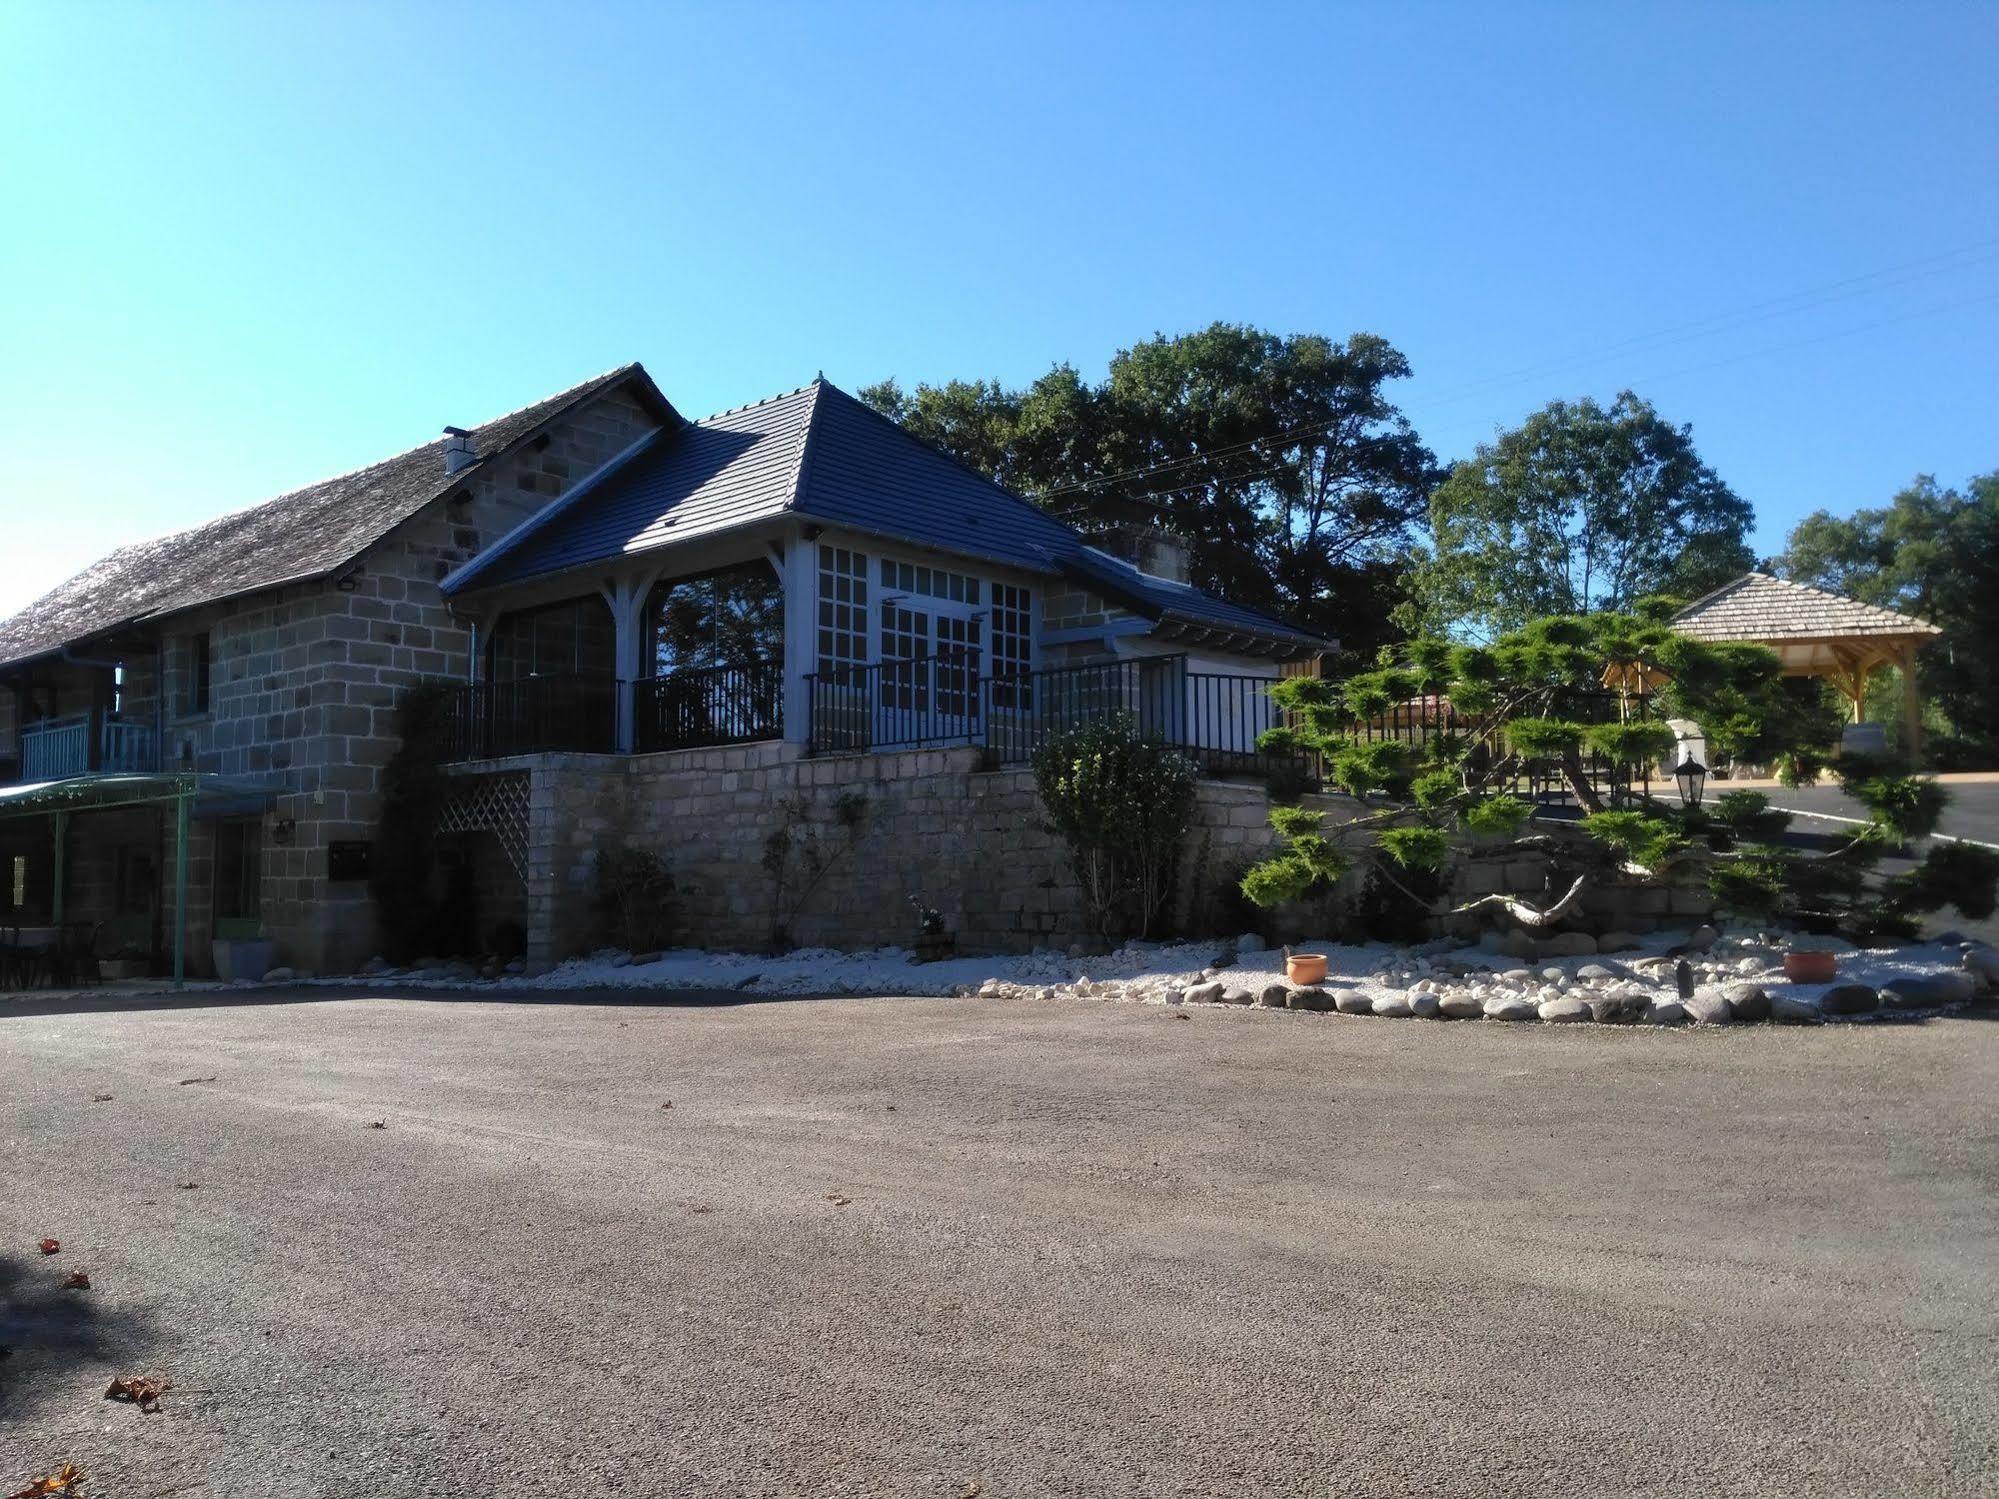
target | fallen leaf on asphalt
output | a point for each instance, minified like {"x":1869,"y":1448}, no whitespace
{"x":1182,"y":1015}
{"x":378,"y":1124}
{"x":142,"y":1390}
{"x":972,"y":1490}
{"x":63,"y":1481}
{"x":76,"y":1280}
{"x":837,"y":1200}
{"x":185,"y":1186}
{"x":100,"y":1098}
{"x":700,"y":1207}
{"x":891,"y":1108}
{"x":51,"y":1246}
{"x":667,"y":1105}
{"x":186,"y":1080}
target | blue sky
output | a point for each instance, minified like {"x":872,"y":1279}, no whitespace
{"x":250,"y":246}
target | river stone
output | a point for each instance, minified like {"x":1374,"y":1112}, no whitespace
{"x":1310,"y":999}
{"x":1274,"y":996}
{"x":1515,"y":976}
{"x":1624,"y":1006}
{"x":1236,"y":995}
{"x":1461,"y":1006}
{"x":1747,"y":1001}
{"x":1848,"y":999}
{"x":1604,"y":971}
{"x":1508,"y":1007}
{"x":1204,"y":994}
{"x":1701,"y":938}
{"x":1984,"y":962}
{"x":1710,"y":1007}
{"x":1568,"y":945}
{"x":1425,"y":1006}
{"x":1793,"y":1009}
{"x":1929,"y":991}
{"x":1352,"y":1002}
{"x":1563,"y":1009}
{"x":1393,"y":1006}
{"x":1616,"y":942}
{"x":1666,"y":1012}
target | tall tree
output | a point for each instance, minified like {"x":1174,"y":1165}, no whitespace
{"x":1281,"y":460}
{"x":1932,"y":552}
{"x":1579,"y":508}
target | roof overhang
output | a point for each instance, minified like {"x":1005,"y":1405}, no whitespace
{"x":209,"y":795}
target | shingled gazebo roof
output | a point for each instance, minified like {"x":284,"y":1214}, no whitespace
{"x":1759,"y":607}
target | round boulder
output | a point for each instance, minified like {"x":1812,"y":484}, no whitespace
{"x":1563,"y":1010}
{"x":1509,"y":1007}
{"x":1274,"y":996}
{"x":1568,"y":945}
{"x":1393,"y":1006}
{"x":1461,"y":1006}
{"x":1747,"y":1002}
{"x":1352,"y":1002}
{"x":1204,"y":994}
{"x":1425,"y":1006}
{"x":1710,"y":1007}
{"x":1849,"y":999}
{"x":1310,"y":999}
{"x":1235,"y":995}
{"x":1666,"y":1012}
{"x":1793,"y":1009}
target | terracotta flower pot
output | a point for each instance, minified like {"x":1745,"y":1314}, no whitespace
{"x":1305,"y":967}
{"x":1810,"y":967}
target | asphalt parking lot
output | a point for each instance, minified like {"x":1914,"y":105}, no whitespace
{"x":963,"y":1247}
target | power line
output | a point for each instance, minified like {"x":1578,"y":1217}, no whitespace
{"x":1942,"y":263}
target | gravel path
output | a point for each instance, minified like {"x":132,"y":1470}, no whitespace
{"x":954,"y":1247}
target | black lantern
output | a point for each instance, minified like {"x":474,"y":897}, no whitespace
{"x":1692,"y":778}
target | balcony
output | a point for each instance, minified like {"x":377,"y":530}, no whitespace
{"x":87,"y":744}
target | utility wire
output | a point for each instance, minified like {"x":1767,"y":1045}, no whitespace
{"x":1756,"y":312}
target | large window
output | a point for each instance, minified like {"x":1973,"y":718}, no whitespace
{"x":195,"y":676}
{"x":931,"y":582}
{"x":843,"y":608}
{"x":572,"y":638}
{"x":733,"y":618}
{"x":1013,"y":637}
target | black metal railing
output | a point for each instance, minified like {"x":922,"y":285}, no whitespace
{"x":532,"y":715}
{"x":708,"y":706}
{"x":940,"y":700}
{"x":896,"y":704}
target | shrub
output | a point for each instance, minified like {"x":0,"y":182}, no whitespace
{"x":1122,"y":803}
{"x":1498,"y":816}
{"x":414,"y":788}
{"x":1636,"y":743}
{"x":635,"y":897}
{"x":1639,"y":836}
{"x":1545,"y":738}
{"x":1416,"y":848}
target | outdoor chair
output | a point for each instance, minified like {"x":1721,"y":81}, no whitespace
{"x":73,"y":958}
{"x":19,"y":966}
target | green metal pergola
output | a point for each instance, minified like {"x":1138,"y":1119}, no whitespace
{"x":182,"y":790}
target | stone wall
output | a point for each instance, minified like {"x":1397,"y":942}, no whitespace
{"x":968,"y":841}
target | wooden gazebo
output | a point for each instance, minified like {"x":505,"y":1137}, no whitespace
{"x":1817,"y":634}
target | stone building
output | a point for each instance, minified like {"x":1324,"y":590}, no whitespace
{"x":683,"y":635}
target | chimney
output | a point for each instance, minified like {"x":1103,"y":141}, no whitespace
{"x":457,"y":449}
{"x":1154,"y":551}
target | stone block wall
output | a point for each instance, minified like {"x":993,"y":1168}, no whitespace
{"x":968,"y":841}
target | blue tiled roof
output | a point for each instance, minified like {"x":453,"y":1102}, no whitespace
{"x":818,"y":452}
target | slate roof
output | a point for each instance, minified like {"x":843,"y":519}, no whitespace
{"x":310,"y":532}
{"x":818,"y":452}
{"x":1758,"y":606}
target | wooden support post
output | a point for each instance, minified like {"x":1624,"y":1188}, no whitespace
{"x":1912,"y":711}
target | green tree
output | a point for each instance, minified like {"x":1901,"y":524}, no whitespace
{"x":1294,"y":478}
{"x":1932,"y":552}
{"x":1580,"y":508}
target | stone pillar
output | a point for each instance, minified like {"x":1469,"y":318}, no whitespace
{"x":799,"y":570}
